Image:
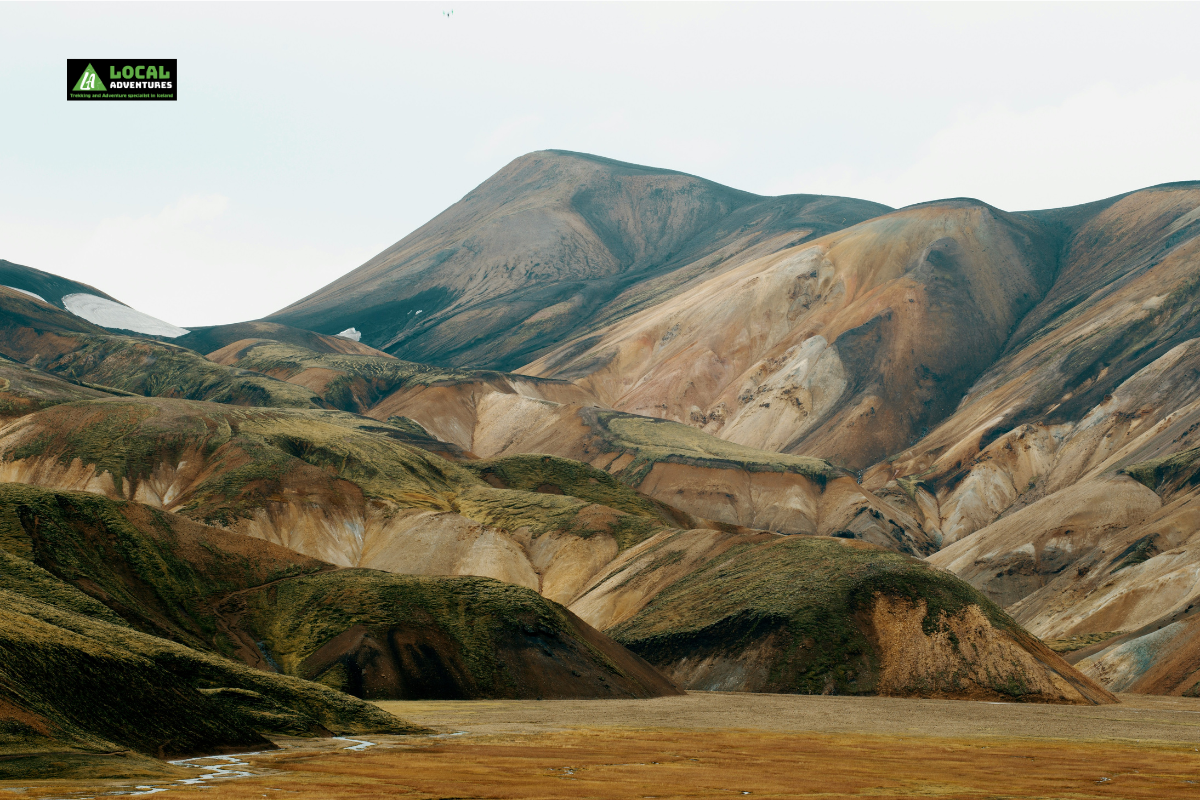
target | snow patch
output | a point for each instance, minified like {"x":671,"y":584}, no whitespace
{"x":351,"y":333}
{"x":108,"y":314}
{"x":31,"y":294}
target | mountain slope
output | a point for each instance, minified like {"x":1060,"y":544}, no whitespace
{"x":344,"y":489}
{"x":208,"y":339}
{"x":216,"y":591}
{"x":846,"y":348}
{"x":38,"y":334}
{"x":83,"y":301}
{"x":49,"y":287}
{"x":821,"y":616}
{"x":79,"y":683}
{"x":1100,"y":378}
{"x":552,"y":246}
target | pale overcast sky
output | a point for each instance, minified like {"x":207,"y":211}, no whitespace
{"x":308,"y":137}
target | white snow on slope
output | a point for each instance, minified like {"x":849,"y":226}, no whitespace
{"x":31,"y":294}
{"x":108,"y":314}
{"x":351,"y":333}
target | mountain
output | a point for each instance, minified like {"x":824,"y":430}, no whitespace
{"x":209,"y":339}
{"x":59,"y":343}
{"x":47,"y":287}
{"x":847,"y":347}
{"x":83,"y":301}
{"x":648,"y":433}
{"x":350,"y":491}
{"x":1010,"y":381}
{"x":553,"y":246}
{"x":102,"y":638}
{"x":1003,"y":383}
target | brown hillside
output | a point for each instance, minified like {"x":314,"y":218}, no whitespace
{"x":848,"y":347}
{"x":553,"y":246}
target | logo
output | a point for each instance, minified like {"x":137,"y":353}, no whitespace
{"x":89,"y":81}
{"x":122,"y":79}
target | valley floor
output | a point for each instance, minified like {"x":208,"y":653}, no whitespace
{"x":720,"y":745}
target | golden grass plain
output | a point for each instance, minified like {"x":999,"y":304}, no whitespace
{"x":775,"y":746}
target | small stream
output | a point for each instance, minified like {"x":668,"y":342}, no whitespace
{"x":216,"y":768}
{"x":362,"y":744}
{"x":225,"y":770}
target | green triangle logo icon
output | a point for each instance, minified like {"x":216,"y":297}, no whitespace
{"x":89,"y":81}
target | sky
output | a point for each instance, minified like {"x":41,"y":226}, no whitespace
{"x":308,"y":137}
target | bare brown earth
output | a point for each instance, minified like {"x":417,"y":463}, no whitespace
{"x":718,"y":745}
{"x":1023,"y":482}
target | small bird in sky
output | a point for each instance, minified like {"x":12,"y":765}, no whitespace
{"x":448,"y":14}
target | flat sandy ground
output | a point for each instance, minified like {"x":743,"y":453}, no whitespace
{"x":1136,"y":718}
{"x":724,"y":745}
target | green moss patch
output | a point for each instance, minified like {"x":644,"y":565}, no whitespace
{"x":386,"y":636}
{"x":1168,"y":474}
{"x":803,"y":598}
{"x":653,"y":441}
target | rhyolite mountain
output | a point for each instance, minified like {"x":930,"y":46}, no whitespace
{"x":553,"y":246}
{"x":388,"y":492}
{"x":657,"y":432}
{"x":1006,"y":383}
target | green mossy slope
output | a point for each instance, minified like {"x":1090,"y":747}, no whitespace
{"x":62,"y":344}
{"x":155,"y":571}
{"x":24,"y":389}
{"x":1168,"y":474}
{"x":245,"y":459}
{"x":533,"y":472}
{"x":358,"y":382}
{"x":802,"y":608}
{"x":156,"y":369}
{"x":385,"y":636}
{"x":85,"y":582}
{"x":653,"y":441}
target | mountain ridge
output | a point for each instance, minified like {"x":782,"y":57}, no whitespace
{"x":560,"y":204}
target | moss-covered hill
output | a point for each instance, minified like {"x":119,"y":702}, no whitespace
{"x":1169,"y":474}
{"x":384,"y":636}
{"x":168,"y":576}
{"x":653,"y":441}
{"x":78,"y":579}
{"x":348,"y":381}
{"x":149,"y":569}
{"x":536,"y":472}
{"x":121,"y":626}
{"x":25,"y":389}
{"x":815,"y":615}
{"x":62,"y":344}
{"x":209,"y":339}
{"x":359,"y":382}
{"x":219,"y":464}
